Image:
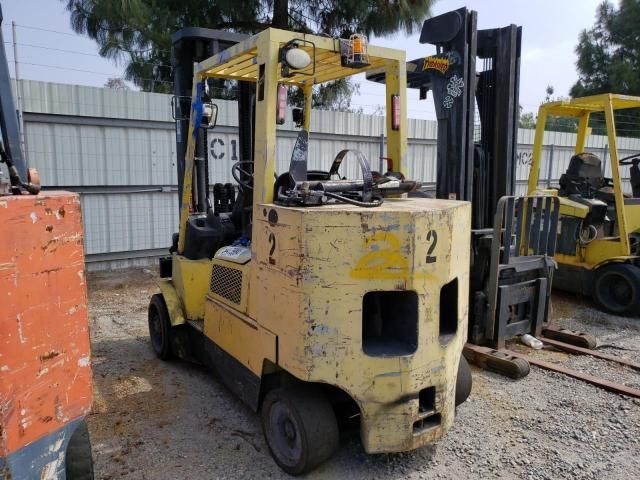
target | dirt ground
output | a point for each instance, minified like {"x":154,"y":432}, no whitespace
{"x":173,"y":420}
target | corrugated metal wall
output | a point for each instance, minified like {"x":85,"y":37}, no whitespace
{"x":118,"y":149}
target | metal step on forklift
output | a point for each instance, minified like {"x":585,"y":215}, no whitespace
{"x":598,"y":248}
{"x":45,"y":367}
{"x":474,"y":80}
{"x":319,"y":300}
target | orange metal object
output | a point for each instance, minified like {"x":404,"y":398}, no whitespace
{"x":45,"y":372}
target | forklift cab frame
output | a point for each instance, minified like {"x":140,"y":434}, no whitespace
{"x":604,"y":265}
{"x":581,"y":109}
{"x":256,"y":60}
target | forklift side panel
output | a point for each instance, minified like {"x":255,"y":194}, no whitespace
{"x":191,"y":281}
{"x":239,"y":336}
{"x":171,"y":299}
{"x":45,"y":365}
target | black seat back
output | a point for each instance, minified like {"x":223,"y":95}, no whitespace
{"x":583,"y":176}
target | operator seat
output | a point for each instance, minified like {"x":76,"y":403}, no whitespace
{"x":583,"y":177}
{"x":634,"y":173}
{"x":584,"y":182}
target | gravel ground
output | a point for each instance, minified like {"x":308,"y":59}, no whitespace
{"x":157,"y":420}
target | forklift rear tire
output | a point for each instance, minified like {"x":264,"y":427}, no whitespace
{"x":464,"y":381}
{"x":617,"y":288}
{"x":300,"y":428}
{"x":159,"y":327}
{"x":79,"y":460}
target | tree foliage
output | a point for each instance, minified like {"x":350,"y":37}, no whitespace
{"x":526,"y":120}
{"x":609,"y":52}
{"x":553,"y":124}
{"x":609,"y":61}
{"x":137,"y":33}
{"x":116,"y":84}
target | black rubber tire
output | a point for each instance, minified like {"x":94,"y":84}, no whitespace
{"x":300,"y":428}
{"x":464,"y":381}
{"x":159,"y":327}
{"x":79,"y":460}
{"x":617,"y":288}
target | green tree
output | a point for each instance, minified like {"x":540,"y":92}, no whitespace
{"x":526,"y":120}
{"x":136,"y":33}
{"x":558,"y":124}
{"x":554,"y":124}
{"x":609,"y":52}
{"x":609,"y":61}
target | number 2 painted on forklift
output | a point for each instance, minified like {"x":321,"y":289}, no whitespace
{"x":432,"y":237}
{"x":272,"y":241}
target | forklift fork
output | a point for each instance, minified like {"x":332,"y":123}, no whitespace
{"x":521,"y":269}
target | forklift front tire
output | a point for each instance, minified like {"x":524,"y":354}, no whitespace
{"x":300,"y":428}
{"x":464,"y":381}
{"x":617,"y":288}
{"x":159,"y":327}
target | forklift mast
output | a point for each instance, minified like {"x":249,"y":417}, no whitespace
{"x":8,"y":118}
{"x":476,"y":149}
{"x":190,"y":45}
{"x":474,"y":78}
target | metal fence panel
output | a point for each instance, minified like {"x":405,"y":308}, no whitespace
{"x":118,"y":149}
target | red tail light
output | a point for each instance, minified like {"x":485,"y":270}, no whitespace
{"x":281,"y":107}
{"x":395,"y":112}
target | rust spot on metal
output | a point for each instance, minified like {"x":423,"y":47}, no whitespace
{"x":49,"y":355}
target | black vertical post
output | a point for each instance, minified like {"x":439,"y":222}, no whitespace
{"x":246,"y":122}
{"x":189,"y":45}
{"x":452,"y":79}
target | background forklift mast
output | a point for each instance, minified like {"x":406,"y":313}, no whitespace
{"x":474,"y":80}
{"x":216,"y":218}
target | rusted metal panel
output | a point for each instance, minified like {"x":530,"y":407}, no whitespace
{"x":45,"y":373}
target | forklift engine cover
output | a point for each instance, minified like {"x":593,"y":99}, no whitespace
{"x":366,"y":300}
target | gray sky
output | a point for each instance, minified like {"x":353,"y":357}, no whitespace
{"x":550,"y":33}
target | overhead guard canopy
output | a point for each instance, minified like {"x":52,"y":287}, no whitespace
{"x":240,"y":61}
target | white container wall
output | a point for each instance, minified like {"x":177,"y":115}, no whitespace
{"x":117,"y":148}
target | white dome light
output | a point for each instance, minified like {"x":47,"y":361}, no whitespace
{"x":297,"y":58}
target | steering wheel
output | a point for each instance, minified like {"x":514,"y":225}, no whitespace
{"x":238,"y":171}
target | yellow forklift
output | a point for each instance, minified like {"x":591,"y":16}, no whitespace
{"x":598,"y":247}
{"x":317,"y":299}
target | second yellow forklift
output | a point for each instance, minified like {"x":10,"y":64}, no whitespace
{"x":598,"y":248}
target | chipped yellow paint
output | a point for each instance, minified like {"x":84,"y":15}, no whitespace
{"x":172,"y":300}
{"x":190,"y":279}
{"x":240,"y":336}
{"x":302,"y":292}
{"x":308,"y":298}
{"x":384,"y":260}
